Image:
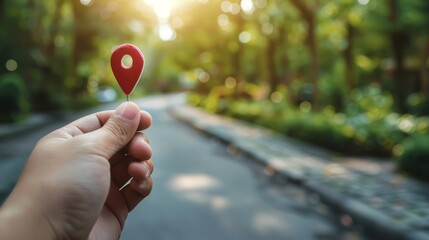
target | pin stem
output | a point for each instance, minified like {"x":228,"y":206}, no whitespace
{"x":128,"y":98}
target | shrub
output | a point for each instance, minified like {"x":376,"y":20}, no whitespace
{"x":83,"y":101}
{"x":415,"y":156}
{"x":376,"y":137}
{"x":13,"y":98}
{"x":319,"y":130}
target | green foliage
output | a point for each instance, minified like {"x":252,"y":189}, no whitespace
{"x":63,"y":47}
{"x":346,"y":51}
{"x":370,"y":99}
{"x":319,"y":130}
{"x":415,"y":157}
{"x":68,"y":44}
{"x":367,"y":130}
{"x":13,"y":98}
{"x":84,"y":102}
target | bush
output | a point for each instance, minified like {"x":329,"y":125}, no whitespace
{"x":246,"y":111}
{"x":320,"y":130}
{"x":83,"y":101}
{"x":13,"y":98}
{"x":415,"y":156}
{"x":376,"y":136}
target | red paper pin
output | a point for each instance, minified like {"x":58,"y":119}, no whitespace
{"x":127,"y":77}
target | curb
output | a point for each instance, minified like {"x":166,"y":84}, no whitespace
{"x":375,"y":223}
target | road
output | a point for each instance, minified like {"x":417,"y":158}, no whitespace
{"x":204,"y":189}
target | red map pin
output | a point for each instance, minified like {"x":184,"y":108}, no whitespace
{"x":127,"y":77}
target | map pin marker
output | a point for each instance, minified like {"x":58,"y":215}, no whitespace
{"x":127,"y":77}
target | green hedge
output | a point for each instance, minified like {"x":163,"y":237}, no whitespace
{"x":415,"y":156}
{"x":13,"y":98}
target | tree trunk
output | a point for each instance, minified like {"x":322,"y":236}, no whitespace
{"x":83,"y":37}
{"x":282,"y":71}
{"x":398,"y":40}
{"x":424,"y":72}
{"x":271,"y":65}
{"x":308,"y":14}
{"x":314,"y":67}
{"x":348,"y":58}
{"x":237,"y":59}
{"x":55,"y":28}
{"x":2,"y":13}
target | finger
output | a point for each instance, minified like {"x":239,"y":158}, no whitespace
{"x":145,"y":121}
{"x":117,"y":131}
{"x":136,"y":191}
{"x":140,"y":170}
{"x":82,"y":125}
{"x":129,"y":168}
{"x":122,"y":162}
{"x":139,"y":147}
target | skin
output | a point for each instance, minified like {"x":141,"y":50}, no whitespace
{"x":70,"y":186}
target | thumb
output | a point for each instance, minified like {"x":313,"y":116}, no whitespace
{"x":118,"y":130}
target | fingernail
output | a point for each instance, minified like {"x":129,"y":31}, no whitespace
{"x":127,"y":111}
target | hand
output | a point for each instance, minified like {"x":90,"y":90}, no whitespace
{"x":69,"y":188}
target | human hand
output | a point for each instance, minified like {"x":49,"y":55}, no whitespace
{"x":70,"y":187}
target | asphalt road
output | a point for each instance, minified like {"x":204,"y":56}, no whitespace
{"x":204,"y":189}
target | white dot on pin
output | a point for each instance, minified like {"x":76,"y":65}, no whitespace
{"x":127,"y":61}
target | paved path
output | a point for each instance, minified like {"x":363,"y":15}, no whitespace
{"x":205,"y":190}
{"x":387,"y":204}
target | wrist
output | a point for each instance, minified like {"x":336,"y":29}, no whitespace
{"x":22,"y":218}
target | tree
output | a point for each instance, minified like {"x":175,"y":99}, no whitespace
{"x":308,"y":13}
{"x":408,"y":23}
{"x":399,"y":41}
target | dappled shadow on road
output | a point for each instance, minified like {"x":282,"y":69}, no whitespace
{"x":196,"y":188}
{"x":290,"y":202}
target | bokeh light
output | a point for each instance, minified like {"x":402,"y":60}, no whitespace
{"x":11,"y":65}
{"x":245,"y":37}
{"x":305,"y":107}
{"x":276,"y":97}
{"x":166,"y":33}
{"x":223,"y":20}
{"x":247,"y":6}
{"x":230,"y":82}
{"x":86,"y":2}
{"x":363,"y":2}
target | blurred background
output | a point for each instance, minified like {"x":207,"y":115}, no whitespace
{"x":350,"y":76}
{"x":354,"y":69}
